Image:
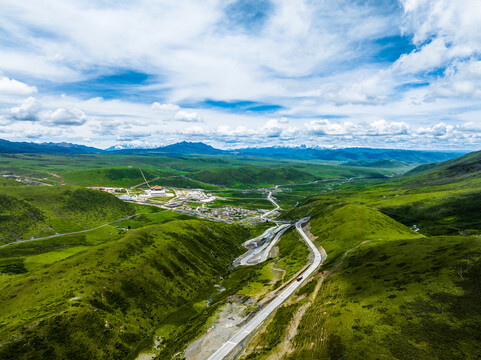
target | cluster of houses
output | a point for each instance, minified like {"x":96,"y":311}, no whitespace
{"x":224,"y":213}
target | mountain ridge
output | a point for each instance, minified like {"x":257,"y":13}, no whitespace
{"x":353,"y":154}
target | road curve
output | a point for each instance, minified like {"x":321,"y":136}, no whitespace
{"x":70,"y":233}
{"x":251,"y":326}
{"x":259,"y":254}
{"x":276,"y":205}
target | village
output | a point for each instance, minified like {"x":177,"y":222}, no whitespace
{"x":226,"y":213}
{"x":194,"y":202}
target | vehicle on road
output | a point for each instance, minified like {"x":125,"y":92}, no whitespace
{"x":299,"y":278}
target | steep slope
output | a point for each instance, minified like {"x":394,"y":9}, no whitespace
{"x":9,"y":182}
{"x":35,"y":211}
{"x":342,"y":227}
{"x":414,"y":299}
{"x":252,"y":176}
{"x":102,"y":303}
{"x":461,"y":168}
{"x":118,"y":176}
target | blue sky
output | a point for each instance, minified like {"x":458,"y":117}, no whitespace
{"x":235,"y":73}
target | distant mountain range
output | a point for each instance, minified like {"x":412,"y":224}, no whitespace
{"x":351,"y":155}
{"x":184,"y":147}
{"x":52,"y":148}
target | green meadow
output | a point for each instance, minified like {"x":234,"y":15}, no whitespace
{"x":132,"y":273}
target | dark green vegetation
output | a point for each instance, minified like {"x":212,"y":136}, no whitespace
{"x":189,"y":171}
{"x":242,"y":176}
{"x":393,"y":293}
{"x":413,"y":299}
{"x":107,"y":293}
{"x":463,"y":168}
{"x":386,"y":164}
{"x":39,"y":211}
{"x":102,"y":303}
{"x":189,"y":322}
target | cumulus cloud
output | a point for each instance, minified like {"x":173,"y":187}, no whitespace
{"x":66,"y":117}
{"x":382,"y":127}
{"x":187,"y":116}
{"x":164,"y":107}
{"x":439,"y":130}
{"x":15,"y":87}
{"x":32,"y":110}
{"x":326,"y":127}
{"x":28,"y":110}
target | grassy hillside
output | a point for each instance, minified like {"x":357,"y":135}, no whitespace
{"x":102,"y":303}
{"x":36,"y":211}
{"x":407,"y":299}
{"x":345,"y":227}
{"x":8,"y":182}
{"x":384,"y":163}
{"x":461,"y":168}
{"x":340,"y":226}
{"x":108,"y":177}
{"x":252,"y":176}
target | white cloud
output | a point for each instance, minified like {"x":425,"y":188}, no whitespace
{"x":326,"y":127}
{"x":27,"y":111}
{"x":66,"y":117}
{"x":12,"y":86}
{"x":187,"y":116}
{"x":366,"y":89}
{"x":382,"y":127}
{"x":32,"y":110}
{"x":164,"y":107}
{"x":429,"y":57}
{"x":439,"y":130}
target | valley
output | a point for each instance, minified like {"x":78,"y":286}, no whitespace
{"x":145,"y":261}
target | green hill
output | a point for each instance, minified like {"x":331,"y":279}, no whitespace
{"x":8,"y":182}
{"x":128,"y":177}
{"x":459,"y":169}
{"x":122,"y":177}
{"x":36,"y":211}
{"x":252,"y":176}
{"x":383,"y":164}
{"x":341,"y":227}
{"x":414,"y":299}
{"x":103,"y":302}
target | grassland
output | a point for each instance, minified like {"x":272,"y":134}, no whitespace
{"x":38,"y":211}
{"x":178,"y":171}
{"x":189,"y":322}
{"x":389,"y":292}
{"x":401,"y":299}
{"x":103,"y":302}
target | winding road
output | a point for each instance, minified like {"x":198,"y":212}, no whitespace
{"x":276,"y":206}
{"x":70,"y":233}
{"x":258,"y":254}
{"x":259,"y":318}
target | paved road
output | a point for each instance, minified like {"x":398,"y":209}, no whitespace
{"x":70,"y":233}
{"x":259,"y":254}
{"x":251,"y":326}
{"x":277,"y":207}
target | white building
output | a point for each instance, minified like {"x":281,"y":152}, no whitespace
{"x":157,"y":191}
